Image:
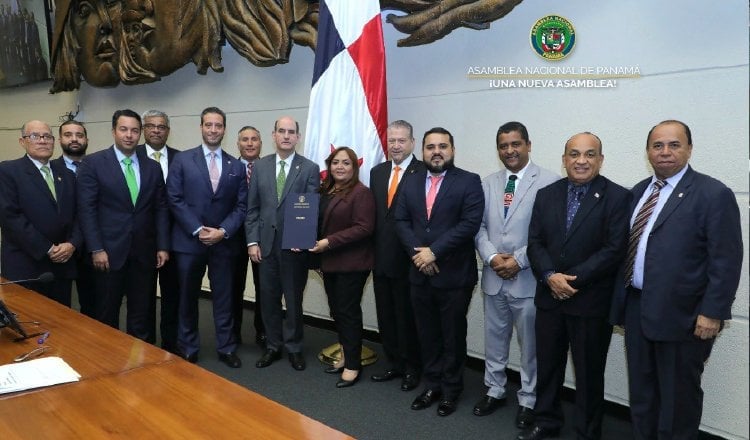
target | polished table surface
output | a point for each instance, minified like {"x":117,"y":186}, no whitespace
{"x":130,"y":389}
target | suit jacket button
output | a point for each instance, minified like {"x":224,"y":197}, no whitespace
{"x":427,"y":230}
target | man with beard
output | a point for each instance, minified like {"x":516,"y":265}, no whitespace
{"x":74,"y":141}
{"x":37,"y":216}
{"x":156,"y":133}
{"x":438,"y":213}
{"x":208,"y":198}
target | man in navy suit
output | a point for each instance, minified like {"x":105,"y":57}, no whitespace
{"x":123,"y":213}
{"x":438,"y":213}
{"x":577,"y":237}
{"x":680,"y":278}
{"x":74,"y":142}
{"x":37,"y":216}
{"x":155,"y":134}
{"x":390,"y":275}
{"x":208,"y":199}
{"x":283,"y":272}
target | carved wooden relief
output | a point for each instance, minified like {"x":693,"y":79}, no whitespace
{"x":106,"y":42}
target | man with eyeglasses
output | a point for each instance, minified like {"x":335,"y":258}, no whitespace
{"x":577,"y":239}
{"x":37,"y":216}
{"x":125,"y":219}
{"x":282,"y":271}
{"x":74,"y":142}
{"x":155,"y":134}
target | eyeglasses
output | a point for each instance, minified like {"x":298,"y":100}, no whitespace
{"x":36,"y":137}
{"x":156,"y":127}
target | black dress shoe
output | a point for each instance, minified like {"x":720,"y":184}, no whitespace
{"x":268,"y":358}
{"x":230,"y":359}
{"x":524,"y":417}
{"x":539,"y":433}
{"x":261,"y":339}
{"x":385,"y":376}
{"x":192,"y":358}
{"x":334,"y":370}
{"x":297,"y":361}
{"x":446,"y":407}
{"x":426,"y":399}
{"x":343,"y":383}
{"x":409,"y":382}
{"x":488,"y":405}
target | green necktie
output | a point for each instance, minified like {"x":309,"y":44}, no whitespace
{"x":48,"y":179}
{"x":130,"y":179}
{"x":280,"y":179}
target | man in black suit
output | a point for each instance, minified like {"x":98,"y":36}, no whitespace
{"x":679,"y":282}
{"x":74,"y":142}
{"x":37,"y":216}
{"x":249,"y":144}
{"x":208,"y":198}
{"x":577,"y":238}
{"x":398,"y":332}
{"x":155,"y":134}
{"x":123,"y":213}
{"x":438,"y":213}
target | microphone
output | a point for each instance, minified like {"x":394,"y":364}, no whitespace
{"x":46,"y":277}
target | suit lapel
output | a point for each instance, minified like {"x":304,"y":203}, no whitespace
{"x":35,"y":176}
{"x":116,"y":173}
{"x":291,"y":176}
{"x":591,"y":199}
{"x":443,"y":190}
{"x":678,"y":195}
{"x":200,"y":162}
{"x":226,"y":169}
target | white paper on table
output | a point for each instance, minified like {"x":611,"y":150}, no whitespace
{"x":35,"y":373}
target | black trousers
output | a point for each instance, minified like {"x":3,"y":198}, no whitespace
{"x":344,"y":290}
{"x":440,"y":316}
{"x":240,"y":275}
{"x":588,"y":339}
{"x":666,"y":399}
{"x":132,"y":281}
{"x":398,"y":332}
{"x":58,"y":289}
{"x":86,"y":285}
{"x":170,"y":303}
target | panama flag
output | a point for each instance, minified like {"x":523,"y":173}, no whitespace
{"x":348,"y":104}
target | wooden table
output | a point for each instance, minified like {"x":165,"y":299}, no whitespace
{"x":130,"y":389}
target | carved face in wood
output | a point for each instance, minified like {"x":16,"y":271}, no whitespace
{"x":93,"y":23}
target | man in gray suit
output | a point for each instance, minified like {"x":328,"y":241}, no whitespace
{"x":282,"y":271}
{"x":507,"y":281}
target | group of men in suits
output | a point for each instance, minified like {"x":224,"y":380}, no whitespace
{"x":563,"y":259}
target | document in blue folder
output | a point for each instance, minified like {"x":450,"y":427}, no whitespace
{"x":300,"y":221}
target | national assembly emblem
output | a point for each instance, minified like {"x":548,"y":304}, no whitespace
{"x":553,"y":37}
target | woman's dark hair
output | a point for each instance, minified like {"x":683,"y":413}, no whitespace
{"x":327,"y":185}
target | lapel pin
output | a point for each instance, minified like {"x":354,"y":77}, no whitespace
{"x":59,"y":179}
{"x":680,"y":195}
{"x":596,"y":195}
{"x":297,"y":167}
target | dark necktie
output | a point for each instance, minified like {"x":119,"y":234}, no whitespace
{"x":510,"y":188}
{"x":574,"y":201}
{"x":639,"y":224}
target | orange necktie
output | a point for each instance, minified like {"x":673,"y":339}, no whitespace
{"x":394,"y":184}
